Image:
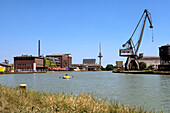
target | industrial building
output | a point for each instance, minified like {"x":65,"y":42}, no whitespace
{"x":89,"y":61}
{"x":164,"y":53}
{"x":91,"y":65}
{"x":6,"y":66}
{"x":88,"y":65}
{"x":28,"y":63}
{"x":153,"y":61}
{"x":58,"y":60}
{"x":119,"y":64}
{"x":150,"y":61}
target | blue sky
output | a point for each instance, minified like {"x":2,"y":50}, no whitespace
{"x":77,"y":27}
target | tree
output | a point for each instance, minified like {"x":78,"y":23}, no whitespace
{"x":109,"y":67}
{"x":102,"y":68}
{"x":44,"y":62}
{"x":151,"y":66}
{"x":7,"y":69}
{"x":142,"y":65}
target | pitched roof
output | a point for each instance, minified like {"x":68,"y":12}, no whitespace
{"x":9,"y":65}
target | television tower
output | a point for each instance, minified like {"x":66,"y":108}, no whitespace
{"x":38,"y":48}
{"x":100,"y":55}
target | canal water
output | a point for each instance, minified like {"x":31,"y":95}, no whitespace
{"x":152,"y":91}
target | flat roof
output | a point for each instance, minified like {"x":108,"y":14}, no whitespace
{"x":53,"y":55}
{"x":150,"y":58}
{"x":167,"y":45}
{"x":27,"y":56}
{"x":89,"y":59}
{"x":86,"y":64}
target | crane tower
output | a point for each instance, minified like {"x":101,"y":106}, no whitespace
{"x":131,"y":49}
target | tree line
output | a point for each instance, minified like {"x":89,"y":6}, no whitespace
{"x":109,"y":67}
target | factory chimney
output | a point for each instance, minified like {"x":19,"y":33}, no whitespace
{"x":39,"y":48}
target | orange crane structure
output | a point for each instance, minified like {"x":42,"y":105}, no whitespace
{"x":131,"y":49}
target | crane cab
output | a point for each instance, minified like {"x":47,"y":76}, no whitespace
{"x":126,"y":52}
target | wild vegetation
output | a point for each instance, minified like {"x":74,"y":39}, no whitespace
{"x":21,"y":100}
{"x":142,"y":65}
{"x":109,"y":67}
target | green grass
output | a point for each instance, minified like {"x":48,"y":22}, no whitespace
{"x":21,"y":100}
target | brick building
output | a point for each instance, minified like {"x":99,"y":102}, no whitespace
{"x":164,"y":53}
{"x":60,"y":60}
{"x":28,"y":63}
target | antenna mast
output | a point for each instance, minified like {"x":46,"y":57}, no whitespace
{"x":100,"y":55}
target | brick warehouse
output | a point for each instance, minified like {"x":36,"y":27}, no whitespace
{"x":28,"y":63}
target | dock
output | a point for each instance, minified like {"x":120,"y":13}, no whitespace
{"x":143,"y":72}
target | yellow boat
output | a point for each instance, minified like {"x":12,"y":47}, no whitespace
{"x":2,"y":70}
{"x":67,"y":77}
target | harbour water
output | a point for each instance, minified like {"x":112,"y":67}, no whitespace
{"x":151,"y":91}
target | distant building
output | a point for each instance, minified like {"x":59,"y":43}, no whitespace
{"x":92,"y":67}
{"x":150,"y":60}
{"x":28,"y":63}
{"x":88,"y":65}
{"x":59,"y":60}
{"x":164,"y":53}
{"x":79,"y":66}
{"x":119,"y":64}
{"x":6,"y":65}
{"x":89,"y":61}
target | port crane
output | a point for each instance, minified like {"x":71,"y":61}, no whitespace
{"x":131,"y":49}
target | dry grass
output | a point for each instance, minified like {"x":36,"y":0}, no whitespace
{"x":20,"y":100}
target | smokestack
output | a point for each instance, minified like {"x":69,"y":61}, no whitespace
{"x":39,"y":48}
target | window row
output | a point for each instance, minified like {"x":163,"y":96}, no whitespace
{"x":24,"y":61}
{"x":24,"y":65}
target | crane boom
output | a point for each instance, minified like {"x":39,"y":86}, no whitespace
{"x":134,"y":30}
{"x":140,"y":39}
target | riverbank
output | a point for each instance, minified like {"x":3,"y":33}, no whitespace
{"x":26,"y":72}
{"x":21,"y":100}
{"x":144,"y":72}
{"x":36,"y":72}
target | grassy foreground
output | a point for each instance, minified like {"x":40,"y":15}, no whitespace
{"x":20,"y":100}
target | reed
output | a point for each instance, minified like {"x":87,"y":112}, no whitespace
{"x":21,"y":100}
